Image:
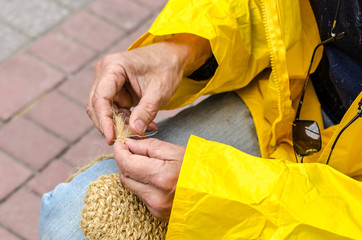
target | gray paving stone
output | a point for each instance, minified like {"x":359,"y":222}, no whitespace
{"x":74,"y":4}
{"x":32,"y":17}
{"x":10,"y":41}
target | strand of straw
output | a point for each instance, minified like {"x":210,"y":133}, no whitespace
{"x":122,"y":130}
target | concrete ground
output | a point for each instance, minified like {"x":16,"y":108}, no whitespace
{"x":47,"y":53}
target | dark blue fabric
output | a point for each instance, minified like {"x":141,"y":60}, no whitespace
{"x":359,"y":18}
{"x":338,"y":79}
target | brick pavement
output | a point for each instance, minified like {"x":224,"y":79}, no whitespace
{"x":47,"y":52}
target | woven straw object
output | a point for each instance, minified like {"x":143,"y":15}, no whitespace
{"x":113,"y":212}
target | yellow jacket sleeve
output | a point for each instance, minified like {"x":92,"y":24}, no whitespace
{"x":240,"y":50}
{"x":223,"y":193}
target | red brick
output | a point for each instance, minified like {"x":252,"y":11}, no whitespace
{"x":88,"y":149}
{"x":92,"y":31}
{"x":126,"y":42}
{"x":125,"y":13}
{"x":61,"y":51}
{"x":154,"y":4}
{"x":6,"y":235}
{"x":12,"y":174}
{"x":29,"y":143}
{"x":79,"y":86}
{"x":24,"y":78}
{"x":50,"y":177}
{"x":20,"y":213}
{"x":62,"y":116}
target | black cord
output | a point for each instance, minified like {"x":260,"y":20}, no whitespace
{"x":331,"y":39}
{"x":359,"y":114}
{"x":333,"y":30}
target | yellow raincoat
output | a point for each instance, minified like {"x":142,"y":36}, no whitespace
{"x":263,"y":48}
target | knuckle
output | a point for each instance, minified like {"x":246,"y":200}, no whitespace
{"x":94,"y":100}
{"x":160,"y":182}
{"x":124,"y":170}
{"x":164,"y":182}
{"x":151,"y":110}
{"x":113,"y":60}
{"x":107,"y":59}
{"x":89,"y":110}
{"x":154,"y":146}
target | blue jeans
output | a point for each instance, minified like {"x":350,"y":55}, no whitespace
{"x":223,"y":118}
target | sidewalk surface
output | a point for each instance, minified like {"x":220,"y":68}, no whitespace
{"x":48,"y":49}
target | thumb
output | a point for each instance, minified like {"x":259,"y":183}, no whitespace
{"x":144,"y":113}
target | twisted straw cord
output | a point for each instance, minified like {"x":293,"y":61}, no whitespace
{"x":113,"y":212}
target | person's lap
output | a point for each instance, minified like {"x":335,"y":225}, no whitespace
{"x":223,"y":118}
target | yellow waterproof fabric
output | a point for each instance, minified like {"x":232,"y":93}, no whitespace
{"x":246,"y":38}
{"x":227,"y":194}
{"x":223,"y":193}
{"x":263,"y":48}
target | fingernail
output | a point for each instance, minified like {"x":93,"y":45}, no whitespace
{"x":140,"y":126}
{"x":152,"y":127}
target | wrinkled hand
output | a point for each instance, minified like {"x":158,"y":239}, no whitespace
{"x":150,"y":168}
{"x":145,"y":78}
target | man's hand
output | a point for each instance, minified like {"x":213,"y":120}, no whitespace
{"x":150,"y":168}
{"x":145,"y":78}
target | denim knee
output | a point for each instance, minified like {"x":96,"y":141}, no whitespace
{"x":61,"y":208}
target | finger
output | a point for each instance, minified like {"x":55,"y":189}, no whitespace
{"x":138,"y":188}
{"x":137,"y":167}
{"x":144,"y":113}
{"x":90,"y":110}
{"x":110,"y":83}
{"x":150,"y":171}
{"x":150,"y":196}
{"x":155,"y":148}
{"x":104,"y":119}
{"x":152,"y":127}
